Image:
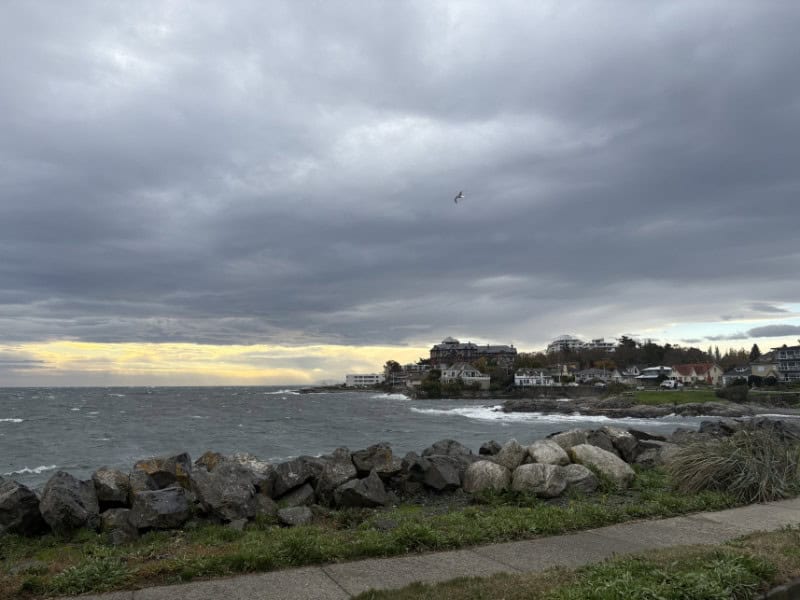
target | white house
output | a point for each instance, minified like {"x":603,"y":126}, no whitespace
{"x":361,"y":380}
{"x":465,"y":373}
{"x":533,"y":377}
{"x":564,"y":343}
{"x":627,"y":376}
{"x":651,"y":374}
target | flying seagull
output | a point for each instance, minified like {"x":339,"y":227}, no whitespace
{"x":459,"y":197}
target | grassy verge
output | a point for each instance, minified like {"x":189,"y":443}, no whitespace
{"x":53,"y":566}
{"x":674,"y":396}
{"x":739,"y":570}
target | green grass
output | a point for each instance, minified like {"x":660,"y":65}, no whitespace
{"x":88,"y":564}
{"x":740,"y":570}
{"x":682,"y":396}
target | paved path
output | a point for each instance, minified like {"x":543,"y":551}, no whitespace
{"x":344,"y":580}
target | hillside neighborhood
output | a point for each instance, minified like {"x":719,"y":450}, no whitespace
{"x":569,"y":361}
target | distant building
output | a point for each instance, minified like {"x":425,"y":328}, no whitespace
{"x":451,"y":351}
{"x":363,"y":380}
{"x":698,"y":373}
{"x":466,"y":374}
{"x":564,"y":343}
{"x":765,"y":366}
{"x":788,"y":358}
{"x":736,"y":374}
{"x":626,"y":376}
{"x":588,"y":375}
{"x":599,"y":344}
{"x":652,"y":375}
{"x":533,"y":378}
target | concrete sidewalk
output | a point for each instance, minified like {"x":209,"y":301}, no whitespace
{"x":344,"y":580}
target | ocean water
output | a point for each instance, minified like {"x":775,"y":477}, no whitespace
{"x":81,"y":429}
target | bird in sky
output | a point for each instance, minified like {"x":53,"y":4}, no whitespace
{"x":458,"y":197}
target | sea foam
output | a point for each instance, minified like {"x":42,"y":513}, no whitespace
{"x":11,"y":420}
{"x":35,"y":470}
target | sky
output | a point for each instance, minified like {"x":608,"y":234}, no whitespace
{"x":261,"y":192}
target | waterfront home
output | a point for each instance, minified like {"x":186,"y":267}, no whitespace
{"x":788,"y":358}
{"x":465,"y":373}
{"x":698,"y":373}
{"x":736,"y":374}
{"x":533,"y":378}
{"x":652,"y":375}
{"x":588,"y":375}
{"x":452,"y":351}
{"x":625,"y":376}
{"x":766,"y":366}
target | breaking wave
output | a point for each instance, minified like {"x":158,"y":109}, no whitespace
{"x":292,"y":392}
{"x":11,"y":420}
{"x":35,"y":470}
{"x":390,"y":397}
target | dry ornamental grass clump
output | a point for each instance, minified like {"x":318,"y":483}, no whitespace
{"x":755,"y":464}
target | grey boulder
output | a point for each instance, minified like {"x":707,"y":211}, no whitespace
{"x":168,"y":470}
{"x":511,"y":455}
{"x":486,"y":475}
{"x":295,"y":516}
{"x":19,"y":509}
{"x":378,"y":458}
{"x":610,"y":465}
{"x":113,"y":487}
{"x":294,"y":473}
{"x":367,"y":492}
{"x":568,"y":439}
{"x":443,"y":473}
{"x":300,"y":496}
{"x":546,"y":481}
{"x":547,"y":452}
{"x":580,"y":479}
{"x":227,"y":492}
{"x":338,"y":469}
{"x":626,"y":445}
{"x":160,"y":509}
{"x":117,"y":523}
{"x":68,"y":504}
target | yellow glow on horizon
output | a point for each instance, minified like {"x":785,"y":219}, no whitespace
{"x":232,"y":364}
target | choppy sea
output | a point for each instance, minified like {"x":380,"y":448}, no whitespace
{"x":81,"y":429}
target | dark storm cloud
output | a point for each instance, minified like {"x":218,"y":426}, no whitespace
{"x":774,"y":331}
{"x":284,"y":171}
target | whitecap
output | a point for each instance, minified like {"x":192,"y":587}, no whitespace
{"x":74,"y":408}
{"x":94,"y":412}
{"x":34,"y":471}
{"x":198,"y":417}
{"x":292,"y":392}
{"x":390,"y":397}
{"x":495,"y":413}
{"x":11,"y":420}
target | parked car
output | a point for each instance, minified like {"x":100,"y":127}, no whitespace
{"x":671,"y":384}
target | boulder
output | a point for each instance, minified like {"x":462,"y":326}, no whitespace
{"x":117,"y":523}
{"x":266,"y":506}
{"x":600,"y":439}
{"x":167,"y":508}
{"x":298,"y":515}
{"x":262,"y":472}
{"x":167,"y":471}
{"x":490,"y":448}
{"x":68,"y":504}
{"x":443,"y":473}
{"x":604,"y":462}
{"x":580,"y":479}
{"x":447,"y":448}
{"x":654,"y":453}
{"x":546,"y":481}
{"x":139,"y":481}
{"x":294,"y":473}
{"x":626,"y":445}
{"x":378,"y":458}
{"x":486,"y":475}
{"x":547,"y":452}
{"x":338,"y":469}
{"x":19,"y":510}
{"x":511,"y":455}
{"x":113,"y":487}
{"x":300,"y":496}
{"x":568,"y":439}
{"x":367,"y":492}
{"x":209,"y":460}
{"x":227,"y":492}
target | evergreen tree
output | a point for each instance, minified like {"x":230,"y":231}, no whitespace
{"x":717,"y":355}
{"x":755,"y":352}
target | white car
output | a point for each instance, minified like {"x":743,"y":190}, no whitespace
{"x":671,"y":384}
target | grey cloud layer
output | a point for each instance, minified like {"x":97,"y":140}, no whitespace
{"x":262,"y":172}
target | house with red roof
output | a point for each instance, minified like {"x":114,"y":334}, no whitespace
{"x":697,"y":373}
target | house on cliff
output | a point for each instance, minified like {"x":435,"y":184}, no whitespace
{"x":465,"y":373}
{"x":451,"y":351}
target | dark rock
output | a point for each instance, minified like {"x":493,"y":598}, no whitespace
{"x":626,"y":446}
{"x":718,"y":428}
{"x":298,"y":515}
{"x":643,"y":435}
{"x":68,"y":504}
{"x":338,"y":469}
{"x":238,"y":524}
{"x":117,"y":523}
{"x":139,"y":481}
{"x":368,"y":492}
{"x":654,"y":453}
{"x":489,"y":448}
{"x":227,"y":492}
{"x":296,"y":472}
{"x":378,"y":458}
{"x":19,"y":509}
{"x":112,"y":486}
{"x":600,"y":439}
{"x":300,"y":496}
{"x":262,"y":472}
{"x":209,"y":460}
{"x":266,"y":506}
{"x":414,"y":466}
{"x":160,"y":509}
{"x":444,"y":473}
{"x":447,"y":448}
{"x":167,"y":471}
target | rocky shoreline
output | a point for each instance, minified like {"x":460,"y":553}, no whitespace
{"x":172,"y":492}
{"x":619,"y":407}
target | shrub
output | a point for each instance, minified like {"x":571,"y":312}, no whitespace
{"x":734,"y":393}
{"x":755,"y":464}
